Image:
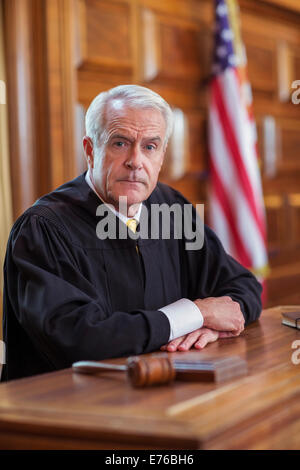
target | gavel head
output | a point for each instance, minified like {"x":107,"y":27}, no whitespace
{"x":151,"y":370}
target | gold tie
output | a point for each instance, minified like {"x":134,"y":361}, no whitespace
{"x":132,"y":224}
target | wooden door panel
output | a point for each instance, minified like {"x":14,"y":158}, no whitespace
{"x":104,"y":34}
{"x":173,"y":48}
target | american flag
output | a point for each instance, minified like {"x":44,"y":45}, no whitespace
{"x":237,"y":212}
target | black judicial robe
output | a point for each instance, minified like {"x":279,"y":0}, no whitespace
{"x":70,"y":296}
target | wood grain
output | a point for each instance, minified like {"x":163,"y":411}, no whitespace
{"x":63,"y":410}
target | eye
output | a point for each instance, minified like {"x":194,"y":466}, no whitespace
{"x":150,"y":147}
{"x":119,"y":145}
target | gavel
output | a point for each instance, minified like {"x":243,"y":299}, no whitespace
{"x":144,"y":371}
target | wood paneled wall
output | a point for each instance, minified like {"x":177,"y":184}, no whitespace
{"x":61,"y":53}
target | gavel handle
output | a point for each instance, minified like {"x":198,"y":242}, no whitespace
{"x":181,"y":368}
{"x":91,"y":367}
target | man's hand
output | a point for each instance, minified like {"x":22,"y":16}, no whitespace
{"x":198,"y":338}
{"x":222,"y":319}
{"x":221,"y":314}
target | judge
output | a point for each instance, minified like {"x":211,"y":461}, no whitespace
{"x":71,"y":294}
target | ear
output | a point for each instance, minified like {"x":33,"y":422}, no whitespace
{"x":88,"y":150}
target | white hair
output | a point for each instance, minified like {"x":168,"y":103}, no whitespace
{"x":136,"y":97}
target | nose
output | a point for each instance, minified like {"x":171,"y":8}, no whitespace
{"x":135,"y":159}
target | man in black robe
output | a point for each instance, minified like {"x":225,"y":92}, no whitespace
{"x":72,"y":293}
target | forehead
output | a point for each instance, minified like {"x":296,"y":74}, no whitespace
{"x":120,"y":116}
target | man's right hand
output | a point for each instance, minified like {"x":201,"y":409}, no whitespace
{"x":221,"y":314}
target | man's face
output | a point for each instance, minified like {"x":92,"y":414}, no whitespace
{"x":129,"y":161}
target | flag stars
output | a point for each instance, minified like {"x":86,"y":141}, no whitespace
{"x":222,"y":51}
{"x":227,"y":35}
{"x":222,"y":9}
{"x":232,"y":60}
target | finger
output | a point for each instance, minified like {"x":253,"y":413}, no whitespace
{"x":239,"y":327}
{"x":189,"y":341}
{"x":202,"y":342}
{"x":234,"y":333}
{"x":226,"y":334}
{"x":229,"y":334}
{"x":192,"y":338}
{"x":208,"y":337}
{"x":172,"y":345}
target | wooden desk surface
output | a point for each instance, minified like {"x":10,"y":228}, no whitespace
{"x":63,"y":410}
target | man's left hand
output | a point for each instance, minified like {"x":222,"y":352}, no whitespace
{"x":197,"y":339}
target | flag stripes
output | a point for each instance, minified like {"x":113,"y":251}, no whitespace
{"x":236,"y":201}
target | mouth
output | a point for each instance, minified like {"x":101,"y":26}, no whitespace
{"x":131,"y":181}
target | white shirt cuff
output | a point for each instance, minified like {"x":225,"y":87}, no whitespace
{"x":184,"y":316}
